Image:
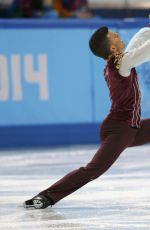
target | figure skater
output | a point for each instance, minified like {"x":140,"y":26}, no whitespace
{"x":122,"y":127}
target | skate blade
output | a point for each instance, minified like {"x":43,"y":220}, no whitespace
{"x":28,"y":206}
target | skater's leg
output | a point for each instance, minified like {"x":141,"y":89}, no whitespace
{"x":143,"y":134}
{"x":106,"y":155}
{"x":115,"y":138}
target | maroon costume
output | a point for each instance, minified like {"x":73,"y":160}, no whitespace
{"x":122,"y":128}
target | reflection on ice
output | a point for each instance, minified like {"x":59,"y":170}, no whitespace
{"x":119,"y":199}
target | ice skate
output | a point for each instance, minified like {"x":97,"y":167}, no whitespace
{"x":37,"y":202}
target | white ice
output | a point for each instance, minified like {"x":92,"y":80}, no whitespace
{"x":118,"y":200}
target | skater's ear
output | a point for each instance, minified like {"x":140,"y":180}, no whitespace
{"x":113,"y":49}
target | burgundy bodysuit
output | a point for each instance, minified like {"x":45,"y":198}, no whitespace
{"x":116,"y":134}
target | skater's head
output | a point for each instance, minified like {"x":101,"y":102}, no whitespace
{"x":104,"y":43}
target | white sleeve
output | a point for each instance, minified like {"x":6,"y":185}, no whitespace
{"x":139,"y":38}
{"x":134,"y":58}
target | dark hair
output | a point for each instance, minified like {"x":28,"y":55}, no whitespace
{"x":99,"y":43}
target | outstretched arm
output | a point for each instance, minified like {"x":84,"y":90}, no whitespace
{"x":137,"y":52}
{"x":139,"y":39}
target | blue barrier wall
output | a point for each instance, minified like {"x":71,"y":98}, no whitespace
{"x":52,"y":88}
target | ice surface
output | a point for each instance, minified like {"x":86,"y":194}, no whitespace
{"x":119,"y":199}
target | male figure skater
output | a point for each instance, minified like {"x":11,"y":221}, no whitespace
{"x":122,"y":127}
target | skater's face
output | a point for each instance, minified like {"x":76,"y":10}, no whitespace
{"x":116,"y":44}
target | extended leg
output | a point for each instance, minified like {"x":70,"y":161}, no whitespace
{"x":106,"y":155}
{"x":115,"y":138}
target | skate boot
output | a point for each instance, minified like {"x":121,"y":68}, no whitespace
{"x":38,"y":202}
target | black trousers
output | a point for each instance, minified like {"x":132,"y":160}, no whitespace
{"x":115,"y":137}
